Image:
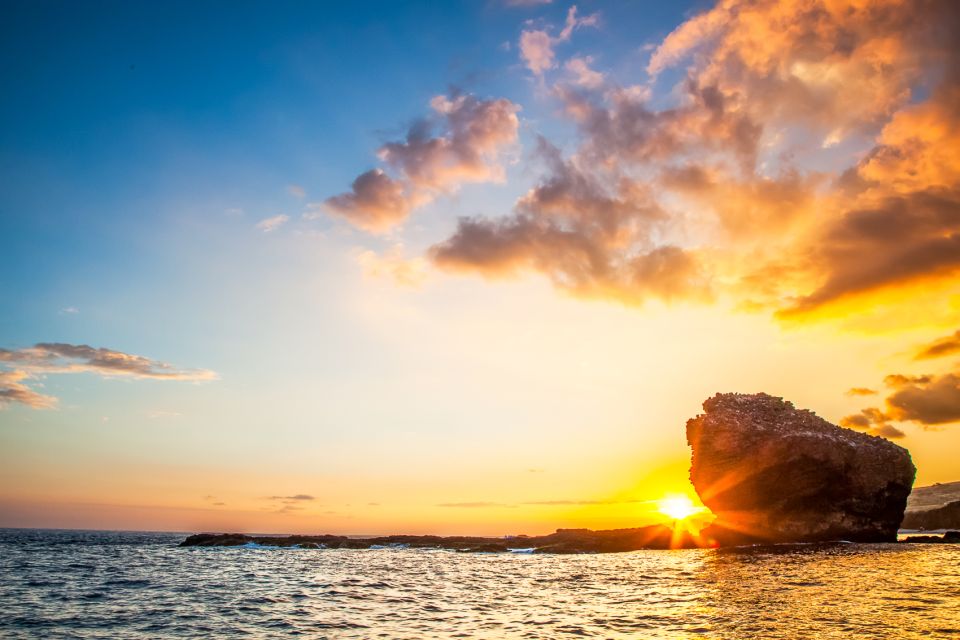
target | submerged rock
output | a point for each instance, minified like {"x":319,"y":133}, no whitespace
{"x":774,"y":473}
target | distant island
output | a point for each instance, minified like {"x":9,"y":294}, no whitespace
{"x":769,"y":472}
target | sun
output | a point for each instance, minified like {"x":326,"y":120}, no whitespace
{"x":677,"y":507}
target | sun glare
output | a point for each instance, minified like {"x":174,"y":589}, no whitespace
{"x":677,"y":507}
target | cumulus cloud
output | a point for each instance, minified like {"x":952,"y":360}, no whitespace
{"x":474,"y":132}
{"x":805,"y":157}
{"x":374,"y":203}
{"x":583,"y":75}
{"x":56,"y":358}
{"x":590,"y":237}
{"x":272,"y":223}
{"x":536,"y":45}
{"x":930,"y":400}
{"x":861,"y":391}
{"x":462,"y":143}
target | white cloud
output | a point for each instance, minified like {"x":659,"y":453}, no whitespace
{"x":271,"y":224}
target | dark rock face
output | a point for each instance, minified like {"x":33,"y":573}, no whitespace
{"x":945,"y":517}
{"x":773,"y":473}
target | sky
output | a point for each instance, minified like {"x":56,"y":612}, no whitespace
{"x":466,"y":267}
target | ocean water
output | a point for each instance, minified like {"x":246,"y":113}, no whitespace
{"x":72,"y":584}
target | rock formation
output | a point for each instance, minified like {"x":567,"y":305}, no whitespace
{"x":562,"y":541}
{"x":945,"y":517}
{"x":773,"y":473}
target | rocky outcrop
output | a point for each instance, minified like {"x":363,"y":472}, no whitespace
{"x":562,"y":541}
{"x":773,"y":473}
{"x":950,"y":537}
{"x":945,"y":517}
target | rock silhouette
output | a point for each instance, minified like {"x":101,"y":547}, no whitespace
{"x":774,"y":473}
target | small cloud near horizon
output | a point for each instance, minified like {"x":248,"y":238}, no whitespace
{"x":298,"y":496}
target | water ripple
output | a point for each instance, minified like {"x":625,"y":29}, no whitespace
{"x":66,"y":584}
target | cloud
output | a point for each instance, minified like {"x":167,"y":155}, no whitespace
{"x":762,"y":79}
{"x":55,"y":357}
{"x":374,"y":203}
{"x":467,"y":151}
{"x":12,"y":390}
{"x":927,"y":400}
{"x":874,"y":422}
{"x":536,"y":50}
{"x":58,"y":357}
{"x":462,"y":144}
{"x":802,"y":157}
{"x":583,"y":75}
{"x":272,"y":223}
{"x":861,"y":391}
{"x":902,"y":238}
{"x":536,"y":45}
{"x":590,"y":237}
{"x":69,"y":311}
{"x":394,"y":265}
{"x":304,"y":497}
{"x":945,"y":346}
{"x":296,"y":191}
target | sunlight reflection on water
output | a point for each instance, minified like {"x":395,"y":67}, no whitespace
{"x":105,"y":585}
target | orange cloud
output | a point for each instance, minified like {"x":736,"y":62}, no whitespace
{"x":926,"y":400}
{"x":945,"y":346}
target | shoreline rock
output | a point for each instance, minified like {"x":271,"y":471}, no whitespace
{"x":772,"y":473}
{"x":563,"y":541}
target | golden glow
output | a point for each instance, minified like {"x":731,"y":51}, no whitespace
{"x":677,"y":507}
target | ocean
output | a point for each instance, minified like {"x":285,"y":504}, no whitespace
{"x":94,"y":584}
